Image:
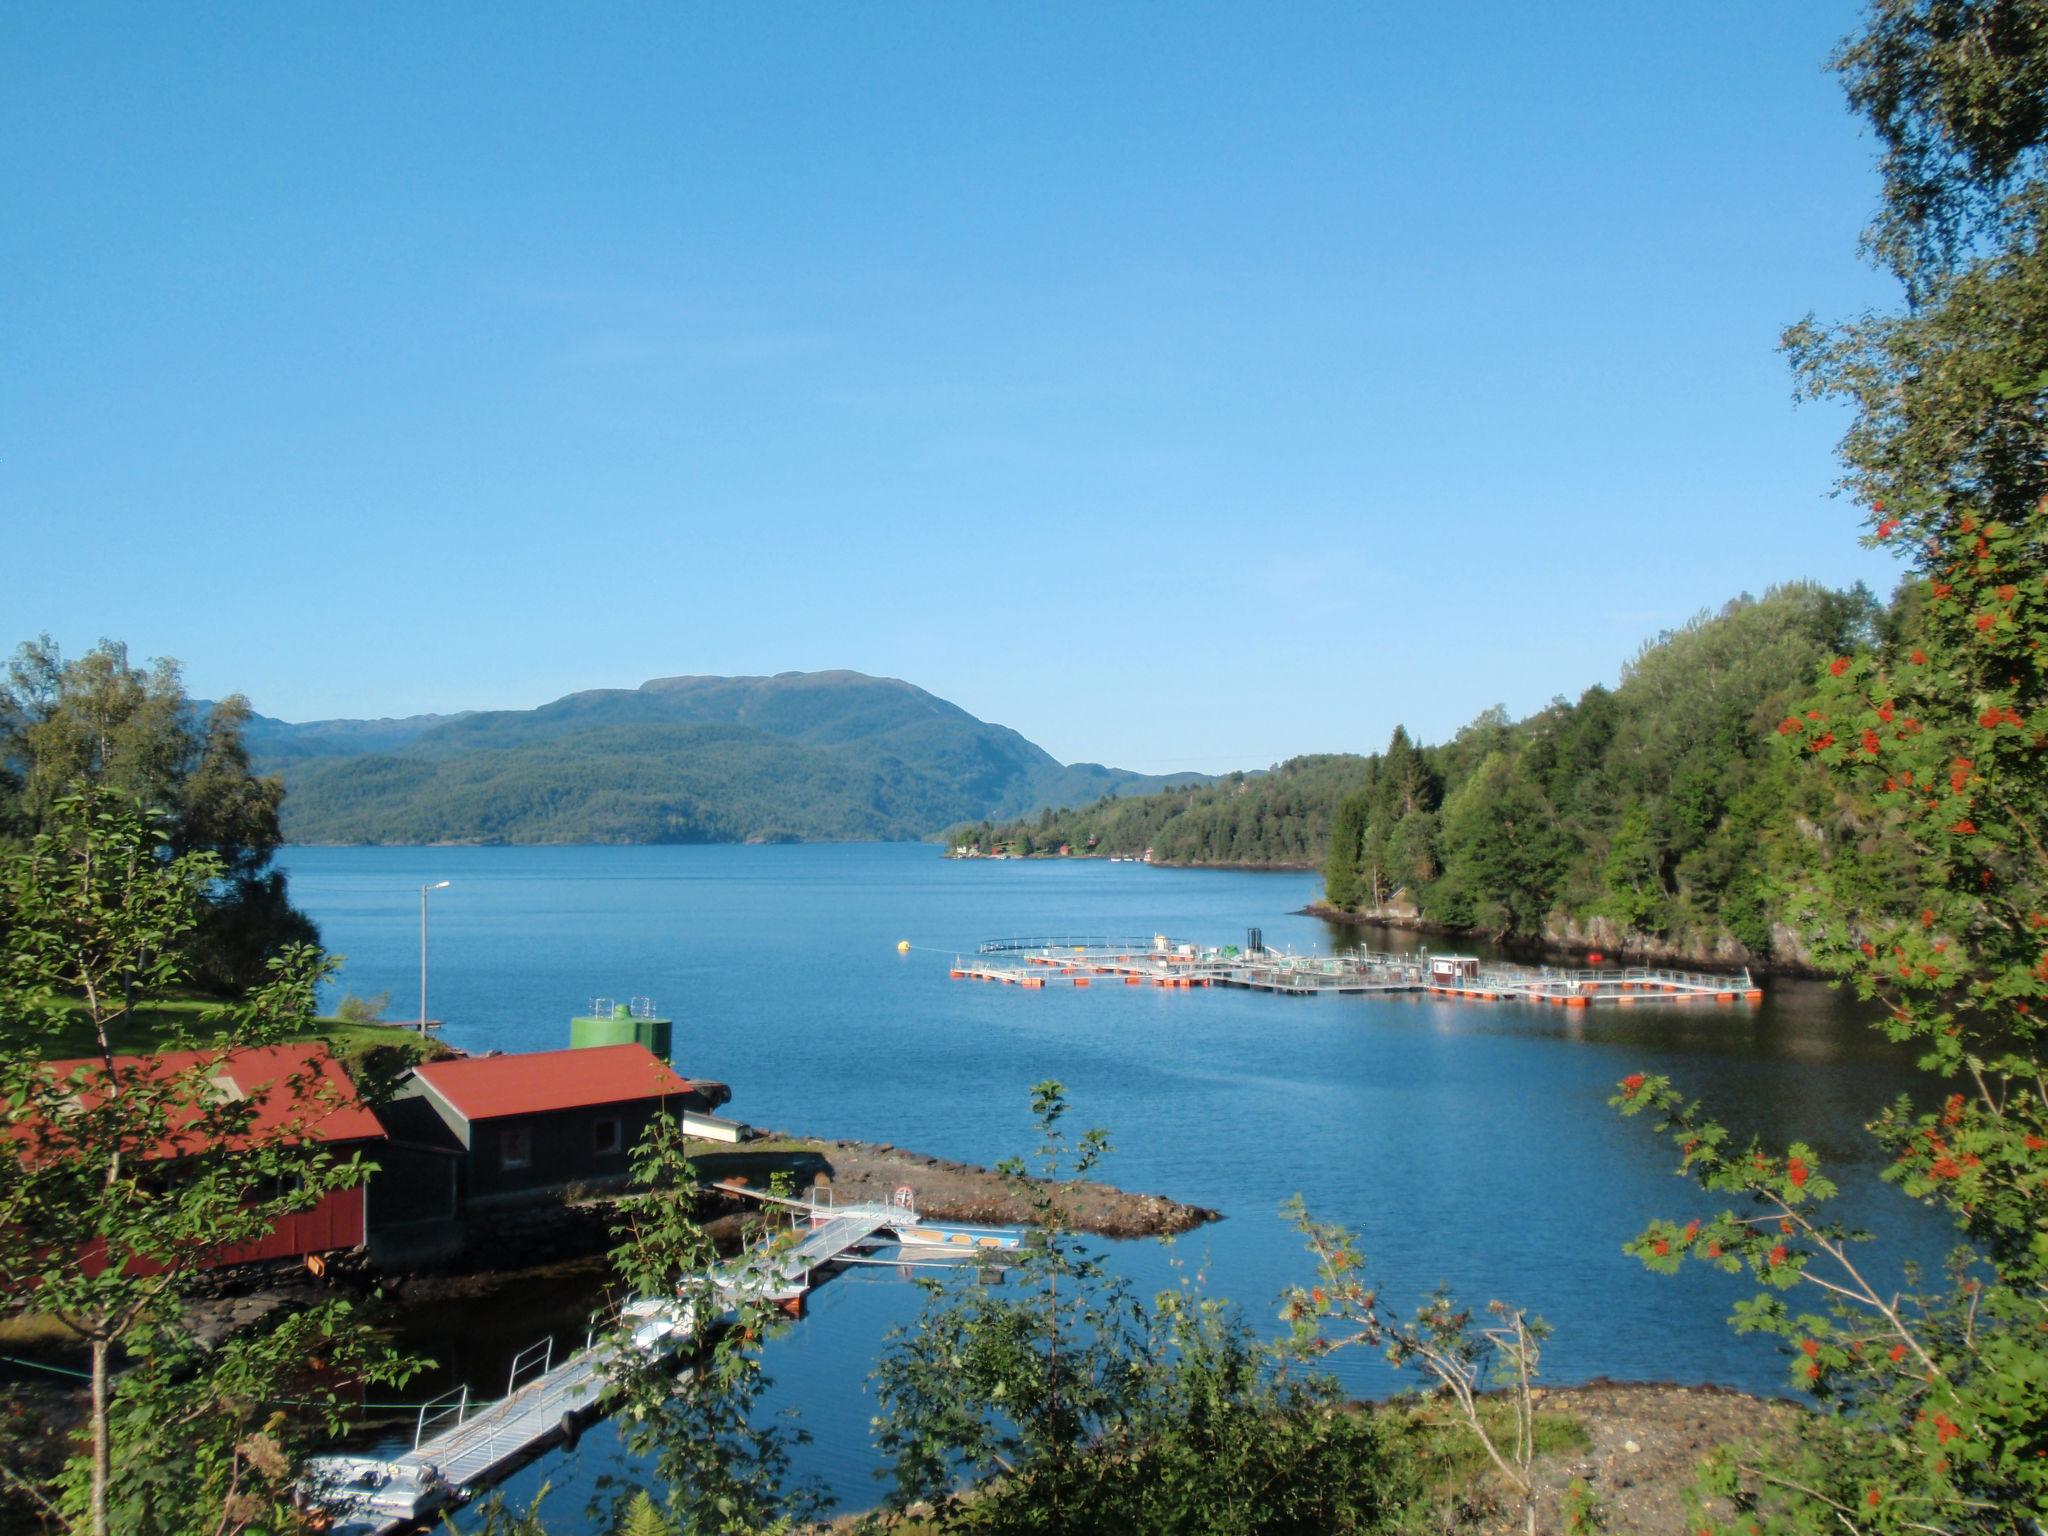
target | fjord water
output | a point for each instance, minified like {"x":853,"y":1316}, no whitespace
{"x":1468,"y":1145}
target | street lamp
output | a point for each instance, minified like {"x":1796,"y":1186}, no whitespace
{"x":438,"y":885}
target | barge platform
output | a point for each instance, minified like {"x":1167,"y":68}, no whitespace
{"x":1035,"y":964}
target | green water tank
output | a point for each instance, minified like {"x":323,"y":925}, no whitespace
{"x":623,"y":1025}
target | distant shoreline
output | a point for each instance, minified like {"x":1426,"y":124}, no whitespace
{"x":845,"y":842}
{"x":1272,"y":868}
{"x":746,"y":842}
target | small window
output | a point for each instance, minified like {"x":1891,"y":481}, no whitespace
{"x":515,"y":1148}
{"x":608,"y":1136}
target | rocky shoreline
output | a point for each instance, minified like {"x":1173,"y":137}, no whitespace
{"x":1573,"y":945}
{"x":966,"y":1192}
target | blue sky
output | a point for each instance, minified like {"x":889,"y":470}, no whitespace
{"x":1185,"y":386}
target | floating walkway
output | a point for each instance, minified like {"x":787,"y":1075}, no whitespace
{"x":461,"y":1447}
{"x":1035,"y":964}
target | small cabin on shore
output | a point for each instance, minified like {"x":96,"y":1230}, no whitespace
{"x":546,"y":1119}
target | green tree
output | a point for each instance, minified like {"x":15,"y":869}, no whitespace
{"x":1069,"y":1406}
{"x":1341,"y":886}
{"x":1923,"y":880}
{"x":125,"y":1175}
{"x":101,"y":720}
{"x":1412,"y":851}
{"x":1410,"y":783}
{"x":362,"y":1010}
{"x":1503,"y":854}
{"x":1633,"y":872}
{"x":1226,"y":1436}
{"x":723,"y":1472}
{"x":1017,"y":1387}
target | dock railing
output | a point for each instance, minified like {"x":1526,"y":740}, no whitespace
{"x":530,"y":1364}
{"x":440,"y":1413}
{"x":1067,"y":941}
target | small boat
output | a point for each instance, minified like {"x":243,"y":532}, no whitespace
{"x":659,"y":1327}
{"x":364,"y":1494}
{"x":953,"y":1238}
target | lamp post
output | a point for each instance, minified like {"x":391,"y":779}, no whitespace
{"x":438,"y":885}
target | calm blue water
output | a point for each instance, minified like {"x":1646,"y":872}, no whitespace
{"x":1468,"y":1145}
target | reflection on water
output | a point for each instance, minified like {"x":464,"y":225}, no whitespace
{"x":1468,"y":1143}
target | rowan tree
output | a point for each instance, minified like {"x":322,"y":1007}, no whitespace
{"x":1920,"y":873}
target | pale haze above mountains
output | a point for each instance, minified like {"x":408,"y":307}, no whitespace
{"x":801,"y":756}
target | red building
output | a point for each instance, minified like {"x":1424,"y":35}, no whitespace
{"x":296,"y":1094}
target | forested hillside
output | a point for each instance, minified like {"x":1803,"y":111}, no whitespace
{"x":1642,"y":814}
{"x":1278,"y":817}
{"x":807,"y":756}
{"x":1649,"y":810}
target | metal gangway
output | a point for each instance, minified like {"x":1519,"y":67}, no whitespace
{"x":781,"y":1273}
{"x":462,"y":1446}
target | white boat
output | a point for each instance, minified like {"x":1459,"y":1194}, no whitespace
{"x":659,"y":1327}
{"x":363,"y":1494}
{"x":950,"y":1237}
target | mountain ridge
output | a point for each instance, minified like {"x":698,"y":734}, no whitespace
{"x":793,"y":756}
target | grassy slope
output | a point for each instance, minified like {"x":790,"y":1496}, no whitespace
{"x":152,"y":1026}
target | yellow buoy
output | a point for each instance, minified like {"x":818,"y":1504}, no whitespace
{"x":903,"y":946}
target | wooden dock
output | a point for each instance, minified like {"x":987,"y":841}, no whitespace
{"x":1357,"y":973}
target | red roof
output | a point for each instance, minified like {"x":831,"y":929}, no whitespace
{"x":299,"y":1090}
{"x":488,"y":1087}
